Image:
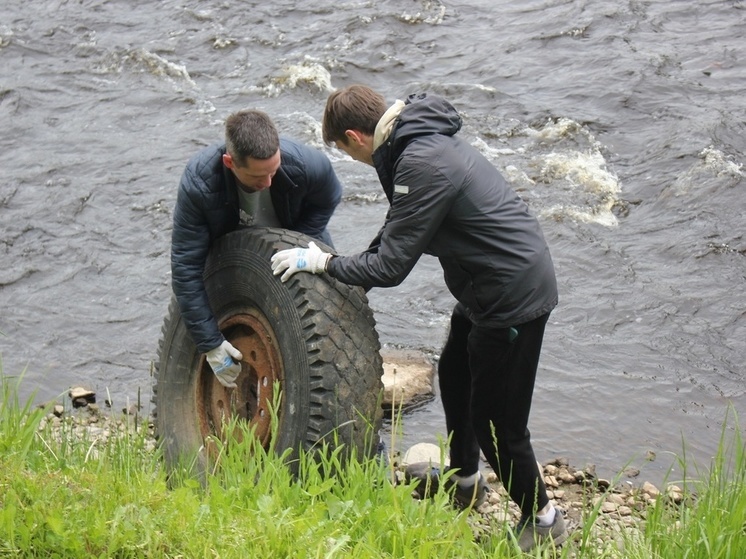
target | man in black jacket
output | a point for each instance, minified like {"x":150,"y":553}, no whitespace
{"x":226,"y":186}
{"x":447,"y":200}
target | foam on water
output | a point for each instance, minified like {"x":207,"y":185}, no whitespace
{"x":718,"y":162}
{"x":565,"y":161}
{"x":697,"y":179}
{"x":308,"y":72}
{"x":432,"y":13}
{"x":157,"y":65}
{"x":592,"y":184}
{"x":6,"y":34}
{"x":303,"y":126}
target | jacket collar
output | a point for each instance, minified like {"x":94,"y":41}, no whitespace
{"x":386,"y":124}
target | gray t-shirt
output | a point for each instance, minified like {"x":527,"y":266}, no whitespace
{"x":256,"y":209}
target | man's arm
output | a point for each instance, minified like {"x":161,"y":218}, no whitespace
{"x":415,"y":215}
{"x":417,"y":210}
{"x":190,"y":243}
{"x":323,"y":194}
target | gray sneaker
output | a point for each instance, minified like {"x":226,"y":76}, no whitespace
{"x":428,"y":477}
{"x":531,"y":534}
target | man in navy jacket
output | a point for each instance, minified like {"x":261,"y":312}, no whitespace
{"x":226,"y":186}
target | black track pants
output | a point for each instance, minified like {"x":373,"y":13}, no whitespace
{"x":487,"y":383}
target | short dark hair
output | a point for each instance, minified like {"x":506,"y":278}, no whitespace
{"x":355,"y":107}
{"x":250,"y":133}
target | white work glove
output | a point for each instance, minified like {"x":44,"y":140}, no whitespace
{"x":221,"y":359}
{"x":310,"y":259}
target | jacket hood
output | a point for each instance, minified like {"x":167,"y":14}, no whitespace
{"x":424,"y":114}
{"x":421,"y":114}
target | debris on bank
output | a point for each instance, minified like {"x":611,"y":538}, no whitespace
{"x":80,"y":418}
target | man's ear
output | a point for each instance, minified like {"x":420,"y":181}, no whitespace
{"x":228,"y":160}
{"x":355,"y":137}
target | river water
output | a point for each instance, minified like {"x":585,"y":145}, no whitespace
{"x":622,"y":124}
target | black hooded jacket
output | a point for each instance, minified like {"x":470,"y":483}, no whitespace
{"x":305,"y":191}
{"x":447,"y":200}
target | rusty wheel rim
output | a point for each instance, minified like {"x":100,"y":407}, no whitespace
{"x":261,"y":375}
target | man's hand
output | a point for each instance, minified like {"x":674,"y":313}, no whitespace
{"x":221,"y":359}
{"x":292,"y":260}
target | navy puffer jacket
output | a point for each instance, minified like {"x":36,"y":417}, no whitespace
{"x":305,"y":192}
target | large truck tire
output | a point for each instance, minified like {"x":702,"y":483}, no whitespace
{"x":309,"y":343}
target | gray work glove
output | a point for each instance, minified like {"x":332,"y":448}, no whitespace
{"x":292,"y":260}
{"x":221,"y":359}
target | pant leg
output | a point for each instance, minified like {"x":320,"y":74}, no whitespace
{"x":503,"y":375}
{"x":454,"y":378}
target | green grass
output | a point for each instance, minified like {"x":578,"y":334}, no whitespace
{"x":70,"y":496}
{"x":714,"y":525}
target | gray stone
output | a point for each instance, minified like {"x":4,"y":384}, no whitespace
{"x":650,"y":489}
{"x":424,"y":452}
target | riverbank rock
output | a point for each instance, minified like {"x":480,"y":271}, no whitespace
{"x":81,"y":396}
{"x":424,"y":452}
{"x":407,"y":378}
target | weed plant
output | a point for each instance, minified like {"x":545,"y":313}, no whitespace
{"x":63,"y":496}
